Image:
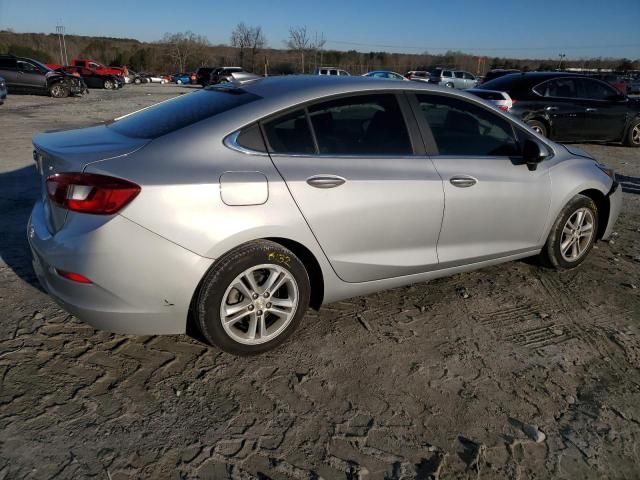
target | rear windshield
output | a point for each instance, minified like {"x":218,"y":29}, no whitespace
{"x":180,"y":112}
{"x":507,"y":83}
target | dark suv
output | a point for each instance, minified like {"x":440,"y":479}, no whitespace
{"x":30,"y":76}
{"x":203,"y":74}
{"x":567,"y":107}
{"x":223,"y":74}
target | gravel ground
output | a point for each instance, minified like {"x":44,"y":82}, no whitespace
{"x":509,"y":372}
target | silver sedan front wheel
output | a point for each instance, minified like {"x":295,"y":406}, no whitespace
{"x":572,"y":235}
{"x":577,"y":235}
{"x":259,"y":304}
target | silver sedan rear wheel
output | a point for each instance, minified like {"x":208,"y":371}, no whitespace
{"x":576,"y":235}
{"x":259,"y":304}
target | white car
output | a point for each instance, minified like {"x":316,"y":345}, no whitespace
{"x":502,"y":100}
{"x":156,"y":79}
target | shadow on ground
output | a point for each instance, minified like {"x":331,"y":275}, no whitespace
{"x":18,"y":191}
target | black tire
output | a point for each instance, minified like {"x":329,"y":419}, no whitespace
{"x":448,"y":85}
{"x":137,"y":81}
{"x":539,"y":127}
{"x":551,"y":255}
{"x":58,"y":90}
{"x":632,"y":138}
{"x":109,"y":84}
{"x":225,"y":271}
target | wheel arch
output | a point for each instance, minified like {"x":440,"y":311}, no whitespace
{"x":312,"y":266}
{"x":316,"y":279}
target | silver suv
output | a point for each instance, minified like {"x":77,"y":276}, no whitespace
{"x":332,"y":71}
{"x":453,"y":78}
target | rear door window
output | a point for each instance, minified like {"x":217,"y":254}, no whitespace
{"x":462,"y":128}
{"x":595,"y":90}
{"x":180,"y":112}
{"x":290,"y":134}
{"x":8,"y":63}
{"x":361,"y":125}
{"x":459,"y":74}
{"x":558,"y":88}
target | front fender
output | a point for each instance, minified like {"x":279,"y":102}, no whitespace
{"x":570,"y":178}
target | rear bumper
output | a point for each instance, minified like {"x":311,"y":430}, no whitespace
{"x":142,"y":283}
{"x":615,"y":206}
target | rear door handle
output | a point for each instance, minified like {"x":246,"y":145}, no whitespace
{"x":463,"y":181}
{"x":551,"y":109}
{"x":325,"y":181}
{"x":591,"y":110}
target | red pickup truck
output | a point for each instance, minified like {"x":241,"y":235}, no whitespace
{"x":93,"y":65}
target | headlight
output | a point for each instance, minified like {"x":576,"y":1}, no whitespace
{"x":606,"y":170}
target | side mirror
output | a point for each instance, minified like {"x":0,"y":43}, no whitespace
{"x":533,"y":153}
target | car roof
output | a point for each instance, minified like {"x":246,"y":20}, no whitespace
{"x":285,"y":91}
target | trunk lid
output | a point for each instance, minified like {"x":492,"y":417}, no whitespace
{"x":71,"y":151}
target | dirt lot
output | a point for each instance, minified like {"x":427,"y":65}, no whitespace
{"x":457,"y":378}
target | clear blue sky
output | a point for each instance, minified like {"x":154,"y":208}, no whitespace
{"x":519,"y":28}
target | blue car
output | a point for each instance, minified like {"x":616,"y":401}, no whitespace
{"x":3,"y":90}
{"x":181,"y":78}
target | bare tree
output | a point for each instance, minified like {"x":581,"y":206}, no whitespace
{"x":182,"y":47}
{"x":299,"y":41}
{"x":241,"y":37}
{"x":317,"y":45}
{"x":258,"y":42}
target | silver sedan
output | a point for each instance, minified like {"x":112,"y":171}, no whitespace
{"x":234,"y":208}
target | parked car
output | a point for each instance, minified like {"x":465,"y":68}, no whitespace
{"x":3,"y":91}
{"x":93,"y":79}
{"x":502,"y":100}
{"x":634,"y":85}
{"x":93,"y":65}
{"x":386,"y":74}
{"x":23,"y":74}
{"x":331,"y":71}
{"x":138,"y":78}
{"x":570,"y":108}
{"x":240,"y":232}
{"x":453,"y":78}
{"x":417,"y":74}
{"x":154,"y":78}
{"x":203,"y":74}
{"x":223,"y":74}
{"x":497,"y":73}
{"x":181,"y":78}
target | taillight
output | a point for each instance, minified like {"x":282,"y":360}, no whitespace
{"x":90,"y":192}
{"x":504,"y":108}
{"x":74,"y":277}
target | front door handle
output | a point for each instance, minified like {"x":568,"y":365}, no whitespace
{"x":591,"y":110}
{"x":551,"y":109}
{"x":325,"y":181}
{"x":463,"y":181}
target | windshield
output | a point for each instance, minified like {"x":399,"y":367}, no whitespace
{"x":43,"y":68}
{"x":180,"y":112}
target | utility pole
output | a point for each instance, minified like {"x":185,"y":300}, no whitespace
{"x":562,"y":57}
{"x":60,"y":31}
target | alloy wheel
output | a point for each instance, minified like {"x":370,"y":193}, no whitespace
{"x":577,"y":235}
{"x":259,"y":304}
{"x":635,"y":135}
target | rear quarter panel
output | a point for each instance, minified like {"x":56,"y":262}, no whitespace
{"x":181,"y":199}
